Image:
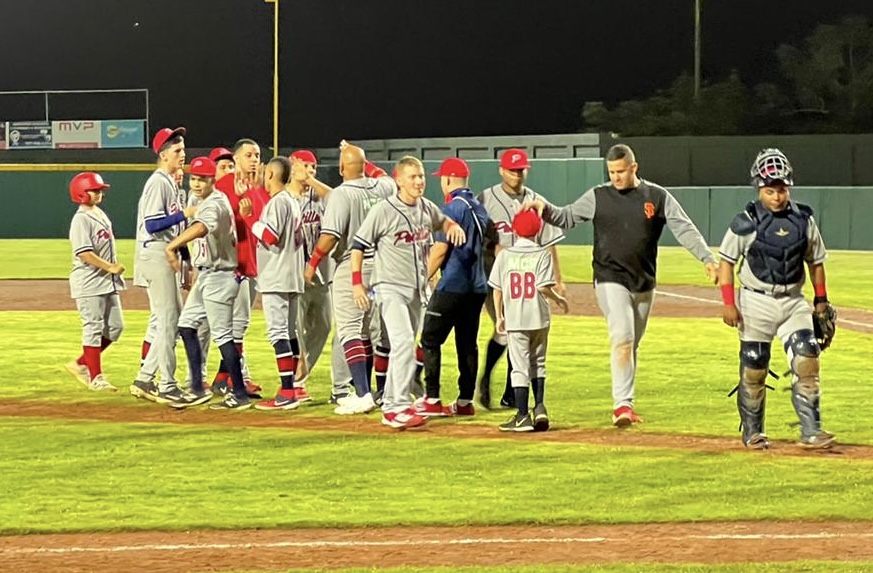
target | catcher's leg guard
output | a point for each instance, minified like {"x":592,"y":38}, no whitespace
{"x":803,"y":350}
{"x":752,"y":392}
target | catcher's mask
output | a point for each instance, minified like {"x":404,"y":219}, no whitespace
{"x":771,"y":166}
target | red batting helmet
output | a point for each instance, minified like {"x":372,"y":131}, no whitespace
{"x":527,"y":224}
{"x":84,"y":182}
{"x":202,"y":167}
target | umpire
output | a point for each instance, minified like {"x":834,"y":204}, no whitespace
{"x":459,"y":294}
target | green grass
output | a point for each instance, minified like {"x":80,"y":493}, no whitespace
{"x":850,"y":273}
{"x":791,"y":567}
{"x":90,"y":476}
{"x":687,"y":367}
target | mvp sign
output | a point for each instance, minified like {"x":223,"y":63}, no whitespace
{"x":76,"y":134}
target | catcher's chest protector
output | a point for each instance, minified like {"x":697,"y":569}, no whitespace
{"x":776,"y":255}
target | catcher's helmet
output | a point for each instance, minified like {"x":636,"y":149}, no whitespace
{"x":771,"y":166}
{"x":84,"y":182}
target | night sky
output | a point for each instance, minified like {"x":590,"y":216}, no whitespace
{"x":389,"y":68}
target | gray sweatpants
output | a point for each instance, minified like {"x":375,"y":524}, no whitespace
{"x":400,"y":310}
{"x":627,"y":314}
{"x":313,"y":322}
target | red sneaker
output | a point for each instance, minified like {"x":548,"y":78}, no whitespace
{"x":402,"y":420}
{"x":302,"y":394}
{"x":624,"y":416}
{"x":284,"y":400}
{"x":429,"y":410}
{"x":456,"y":409}
{"x":252,"y":389}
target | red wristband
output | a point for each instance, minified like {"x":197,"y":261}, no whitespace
{"x":728,"y":294}
{"x":357,"y":278}
{"x":373,"y":170}
{"x":821,"y":291}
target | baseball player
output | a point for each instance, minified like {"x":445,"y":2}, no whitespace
{"x":280,"y":272}
{"x":501,"y":202}
{"x":213,"y":233}
{"x":223,"y":159}
{"x":160,"y":219}
{"x":364,"y":185}
{"x":243,"y":183}
{"x":398,"y":230}
{"x":771,"y":240}
{"x":523,"y":278}
{"x":629,"y":215}
{"x":314,"y":305}
{"x":456,"y":303}
{"x":95,"y":281}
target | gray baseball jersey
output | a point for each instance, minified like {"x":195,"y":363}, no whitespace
{"x":519,"y":272}
{"x":217,"y":250}
{"x":734,"y":248}
{"x":400,"y":234}
{"x":348,"y":207}
{"x":280,"y":266}
{"x":91,"y":230}
{"x":502,"y":207}
{"x":312,"y":210}
{"x":160,"y":197}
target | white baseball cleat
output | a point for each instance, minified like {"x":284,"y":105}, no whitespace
{"x":79,"y":372}
{"x":356,"y":405}
{"x":100,"y":383}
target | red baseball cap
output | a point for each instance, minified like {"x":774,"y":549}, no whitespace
{"x":305,"y":156}
{"x":165,"y":135}
{"x":514,"y":159}
{"x":527,"y":224}
{"x":220,"y":153}
{"x":203,"y":167}
{"x":453,"y":167}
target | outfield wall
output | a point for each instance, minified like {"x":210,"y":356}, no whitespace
{"x":37,"y":204}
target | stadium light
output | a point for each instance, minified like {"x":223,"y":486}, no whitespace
{"x":275,"y":4}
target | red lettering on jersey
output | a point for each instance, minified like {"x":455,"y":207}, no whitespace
{"x":311,"y":217}
{"x":410,"y":238}
{"x":104,"y":234}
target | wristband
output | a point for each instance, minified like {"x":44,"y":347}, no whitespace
{"x":357,"y":278}
{"x":728,"y":294}
{"x":315,"y":259}
{"x":373,"y":170}
{"x":821,"y":292}
{"x":819,"y":299}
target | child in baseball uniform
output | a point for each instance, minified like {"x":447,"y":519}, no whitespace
{"x":399,"y":230}
{"x":212,"y":235}
{"x":280,"y":272}
{"x":95,"y":281}
{"x":523,"y":277}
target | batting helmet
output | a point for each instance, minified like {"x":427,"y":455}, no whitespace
{"x":771,"y":166}
{"x":202,"y":167}
{"x":84,"y":182}
{"x":527,"y":223}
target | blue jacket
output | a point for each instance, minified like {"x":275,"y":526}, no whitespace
{"x":463,"y":270}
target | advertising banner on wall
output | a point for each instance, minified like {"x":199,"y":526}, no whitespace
{"x":76,"y":134}
{"x":123,"y":133}
{"x":28,"y":135}
{"x":2,"y":135}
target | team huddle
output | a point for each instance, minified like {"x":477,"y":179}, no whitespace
{"x":386,"y":267}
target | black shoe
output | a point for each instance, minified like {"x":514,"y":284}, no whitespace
{"x":145,"y":390}
{"x":191,"y":399}
{"x":335,"y":398}
{"x":377,"y":397}
{"x":232,"y":402}
{"x":485,"y":394}
{"x":221,"y":388}
{"x":540,"y":418}
{"x":518,"y":423}
{"x":171,"y":396}
{"x":508,"y":402}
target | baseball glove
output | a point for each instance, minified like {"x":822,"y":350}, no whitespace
{"x":825,"y":326}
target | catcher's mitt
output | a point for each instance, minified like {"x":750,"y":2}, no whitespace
{"x":825,"y":325}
